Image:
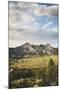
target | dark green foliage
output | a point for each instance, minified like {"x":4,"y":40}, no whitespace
{"x":51,"y":63}
{"x":52,"y":73}
{"x":45,"y":76}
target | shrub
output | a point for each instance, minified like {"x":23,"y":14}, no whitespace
{"x":52,"y":72}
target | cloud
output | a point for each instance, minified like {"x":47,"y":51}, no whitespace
{"x":18,"y":16}
{"x":24,"y":26}
{"x":52,"y":10}
{"x":47,"y":10}
{"x":53,"y":30}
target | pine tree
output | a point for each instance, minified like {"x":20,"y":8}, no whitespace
{"x":51,"y":72}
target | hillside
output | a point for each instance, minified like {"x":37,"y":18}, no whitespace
{"x":26,"y":50}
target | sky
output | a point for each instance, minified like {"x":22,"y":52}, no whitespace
{"x":35,"y":23}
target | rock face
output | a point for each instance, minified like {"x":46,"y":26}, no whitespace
{"x":27,"y":50}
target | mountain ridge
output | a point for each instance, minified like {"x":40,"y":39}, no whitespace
{"x":27,"y":49}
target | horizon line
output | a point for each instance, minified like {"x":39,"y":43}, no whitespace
{"x":32,"y":44}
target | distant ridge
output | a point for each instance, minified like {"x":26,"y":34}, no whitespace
{"x":27,"y":49}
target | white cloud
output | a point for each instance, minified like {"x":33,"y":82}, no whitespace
{"x":23,"y":26}
{"x":54,"y":30}
{"x":19,"y":18}
{"x":47,"y":10}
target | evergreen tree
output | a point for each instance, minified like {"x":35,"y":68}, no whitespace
{"x":52,"y":73}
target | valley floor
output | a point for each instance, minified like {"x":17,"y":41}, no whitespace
{"x":35,"y":71}
{"x":33,"y":62}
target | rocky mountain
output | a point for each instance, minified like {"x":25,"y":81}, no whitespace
{"x":26,"y":50}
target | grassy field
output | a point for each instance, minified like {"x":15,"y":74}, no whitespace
{"x":33,"y":62}
{"x":33,"y":71}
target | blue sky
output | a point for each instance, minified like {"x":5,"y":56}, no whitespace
{"x":35,"y":23}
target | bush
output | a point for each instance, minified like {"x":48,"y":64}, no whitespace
{"x":52,"y":72}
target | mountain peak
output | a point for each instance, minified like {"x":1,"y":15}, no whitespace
{"x":48,"y":44}
{"x":28,"y":49}
{"x":26,"y":44}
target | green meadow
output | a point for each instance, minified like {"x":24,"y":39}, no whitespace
{"x":33,"y":62}
{"x":35,"y":71}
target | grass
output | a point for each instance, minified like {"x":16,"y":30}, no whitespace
{"x":33,"y":62}
{"x":33,"y":71}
